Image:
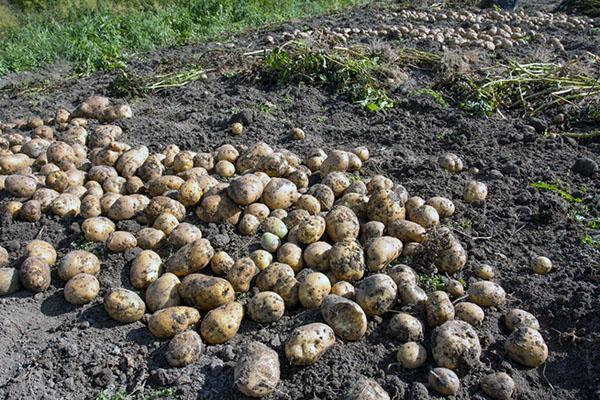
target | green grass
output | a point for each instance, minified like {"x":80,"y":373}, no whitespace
{"x":432,"y":280}
{"x":103,"y":35}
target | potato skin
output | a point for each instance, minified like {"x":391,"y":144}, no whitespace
{"x":279,"y":193}
{"x":527,"y":347}
{"x":469,"y":312}
{"x":184,"y":349}
{"x":346,"y":317}
{"x":76,"y":262}
{"x":376,"y":294}
{"x":455,"y":345}
{"x":245,"y":189}
{"x":439,"y":308}
{"x":42,"y":250}
{"x":266,"y":307}
{"x":9,"y":281}
{"x":257,"y":371}
{"x":222,"y":323}
{"x":35,"y":274}
{"x":192,"y":257}
{"x":145,"y":269}
{"x":167,"y":322}
{"x":313,"y":290}
{"x":242,"y":272}
{"x":311,"y":229}
{"x":81,"y":289}
{"x":342,"y":223}
{"x":124,"y":305}
{"x":385,"y":206}
{"x":346,"y":261}
{"x":206,"y":292}
{"x":119,"y":241}
{"x":308,"y":343}
{"x":411,"y":355}
{"x":517,"y":318}
{"x":97,"y":229}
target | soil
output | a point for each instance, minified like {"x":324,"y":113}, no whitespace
{"x":52,"y":350}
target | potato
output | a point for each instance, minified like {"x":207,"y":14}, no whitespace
{"x":487,"y":294}
{"x":12,"y":209}
{"x":403,"y":274}
{"x":222,"y":323}
{"x":469,"y":312}
{"x":308,"y":343}
{"x":257,"y":371}
{"x":3,"y":257}
{"x":484,"y":271}
{"x":242,"y":272}
{"x":517,"y":318}
{"x":262,"y":259}
{"x":279,"y":193}
{"x":145,"y":269}
{"x":337,"y":160}
{"x":13,"y":163}
{"x":356,"y":202}
{"x":97,"y":229}
{"x":274,"y":164}
{"x":439,"y":308}
{"x":45,"y":196}
{"x":354,"y":162}
{"x":324,"y":194}
{"x":206,"y":292}
{"x":362,"y":388}
{"x":454,"y":288}
{"x":162,"y":204}
{"x":248,"y":225}
{"x":337,"y":181}
{"x":526,"y":346}
{"x":475,"y":192}
{"x":498,"y":385}
{"x":412,"y":204}
{"x":165,"y":222}
{"x":443,"y":206}
{"x":90,"y":207}
{"x":406,"y":328}
{"x":385,"y":206}
{"x":183,"y":161}
{"x":81,"y":289}
{"x":107,"y":200}
{"x":316,"y":256}
{"x":291,"y":254}
{"x":266,"y":279}
{"x":20,"y":185}
{"x":347,"y":318}
{"x":66,"y":205}
{"x":31,"y":211}
{"x":35,"y":274}
{"x":450,"y":162}
{"x":9,"y":280}
{"x":311,"y":229}
{"x":204,"y":160}
{"x":192,"y":257}
{"x":266,"y":307}
{"x":411,"y":355}
{"x":184,"y":349}
{"x":278,"y":213}
{"x":313,"y":289}
{"x":411,"y":294}
{"x":362,"y":152}
{"x":381,"y":251}
{"x":225,"y":169}
{"x":376,"y":294}
{"x":342,"y":223}
{"x":163,"y":292}
{"x":237,"y":128}
{"x":169,"y":153}
{"x":455,"y":345}
{"x":451,"y":259}
{"x":426,"y":216}
{"x":287,"y":287}
{"x":184,"y":233}
{"x":91,"y":108}
{"x":275,"y":226}
{"x":217,"y":208}
{"x":309,"y":203}
{"x":295,"y":217}
{"x":346,"y":261}
{"x":371,"y":230}
{"x":300,"y":178}
{"x":150,"y":238}
{"x":168,"y":322}
{"x":120,"y":241}
{"x":444,"y":381}
{"x":78,"y":262}
{"x":42,"y":250}
{"x":162,"y":184}
{"x":249,"y":159}
{"x":259,"y":210}
{"x":343,"y":289}
{"x":541,"y":265}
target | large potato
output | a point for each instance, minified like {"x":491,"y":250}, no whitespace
{"x":81,"y":289}
{"x":487,"y":294}
{"x":517,"y":318}
{"x":346,"y":261}
{"x":218,"y":207}
{"x":20,"y":185}
{"x":256,"y":373}
{"x":279,"y":193}
{"x":382,"y":251}
{"x":206,"y":292}
{"x":385,"y":206}
{"x":439,"y":308}
{"x":266,"y":307}
{"x":9,"y":281}
{"x":526,"y":346}
{"x":35,"y":274}
{"x":168,"y":322}
{"x":164,"y":183}
{"x":308,"y":343}
{"x":274,"y":164}
{"x":245,"y":189}
{"x":342,"y":223}
{"x":455,"y":345}
{"x":405,"y":328}
{"x":346,"y":317}
{"x":376,"y":294}
{"x":77,"y":262}
{"x":97,"y":229}
{"x":316,"y":256}
{"x":242,"y":272}
{"x":313,"y":290}
{"x":192,"y":257}
{"x":131,"y":160}
{"x":145,"y":269}
{"x":42,"y":250}
{"x":13,"y":163}
{"x":184,"y":349}
{"x":124,"y":305}
{"x":222,"y":323}
{"x":311,"y":229}
{"x":163,"y":292}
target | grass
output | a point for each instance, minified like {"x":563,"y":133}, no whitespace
{"x":104,"y":35}
{"x":130,"y":84}
{"x":432,"y":280}
{"x":591,"y":8}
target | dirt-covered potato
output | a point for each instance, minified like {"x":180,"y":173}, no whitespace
{"x":403,"y":274}
{"x":405,"y":328}
{"x":165,"y":222}
{"x":190,"y":258}
{"x":316,"y":256}
{"x":450,"y":162}
{"x":526,"y":346}
{"x":337,"y":160}
{"x":354,"y":162}
{"x":259,"y":210}
{"x":257,"y":371}
{"x":362,"y":388}
{"x":342,"y":223}
{"x":484,"y":271}
{"x":42,"y":250}
{"x":455,"y":345}
{"x":131,"y":160}
{"x":245,"y":189}
{"x":451,"y":259}
{"x":411,"y":355}
{"x":279,"y":193}
{"x":183,"y":161}
{"x":541,"y":265}
{"x":291,"y":254}
{"x":218,"y":207}
{"x":120,"y":241}
{"x":145,"y":269}
{"x":498,"y":385}
{"x":35,"y":274}
{"x":487,"y":294}
{"x":356,"y":202}
{"x":183,"y":234}
{"x":346,"y":261}
{"x":385,"y":206}
{"x":248,"y":225}
{"x":469,"y":312}
{"x":382,"y":251}
{"x":454,"y":288}
{"x":444,"y":381}
{"x":426,"y":216}
{"x":31,"y":211}
{"x":443,"y":206}
{"x":222,"y":323}
{"x":150,"y":238}
{"x":324,"y":194}
{"x":517,"y":318}
{"x":168,"y":322}
{"x":343,"y":289}
{"x":90,"y":207}
{"x":308,"y":343}
{"x":311,"y":229}
{"x":309,"y":203}
{"x":412,"y":204}
{"x":262,"y":259}
{"x":184,"y":349}
{"x":12,"y":209}
{"x":376,"y":294}
{"x":124,"y":305}
{"x":81,"y":289}
{"x":225,"y":169}
{"x":371,"y":230}
{"x":163,"y":292}
{"x":287,"y":288}
{"x":20,"y":185}
{"x":475,"y":192}
{"x":242,"y":272}
{"x":313,"y":290}
{"x":295,"y":217}
{"x":337,"y":181}
{"x":347,"y":318}
{"x":97,"y":229}
{"x":439,"y":308}
{"x":66,"y":205}
{"x":411,"y":294}
{"x":77,"y":262}
{"x":45,"y":196}
{"x":162,"y":204}
{"x":13,"y":163}
{"x":266,"y":307}
{"x":206,"y":292}
{"x":3,"y":257}
{"x":267,"y":279}
{"x":9,"y":280}
{"x":362,"y":152}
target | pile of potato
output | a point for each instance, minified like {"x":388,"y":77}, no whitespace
{"x":330,"y":241}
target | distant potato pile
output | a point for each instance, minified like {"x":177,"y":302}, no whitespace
{"x":330,"y":241}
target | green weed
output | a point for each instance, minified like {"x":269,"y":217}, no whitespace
{"x":130,"y":84}
{"x":96,"y":248}
{"x":437,"y":96}
{"x":433,"y":280}
{"x":553,"y":188}
{"x":588,"y":240}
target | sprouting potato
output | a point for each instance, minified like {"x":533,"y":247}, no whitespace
{"x":316,"y":256}
{"x":443,"y":206}
{"x":376,"y":294}
{"x":97,"y":229}
{"x":444,"y":381}
{"x":120,"y":241}
{"x":455,"y":345}
{"x":124,"y":305}
{"x":541,"y":265}
{"x":411,"y":355}
{"x":168,"y":322}
{"x":77,"y":262}
{"x":346,"y":317}
{"x":242,"y":272}
{"x":184,"y":233}
{"x":439,"y":308}
{"x":313,"y":289}
{"x":257,"y":371}
{"x":517,"y":318}
{"x":290,"y":254}
{"x":145,"y":269}
{"x":42,"y":250}
{"x":405,"y":328}
{"x":222,"y":323}
{"x":262,"y":259}
{"x":385,"y":206}
{"x":9,"y":281}
{"x":184,"y":349}
{"x":81,"y":289}
{"x":308,"y":343}
{"x":475,"y":192}
{"x":150,"y":238}
{"x":498,"y":385}
{"x":35,"y":274}
{"x":450,"y":162}
{"x":206,"y":292}
{"x":487,"y":294}
{"x":163,"y":292}
{"x":426,"y":216}
{"x":343,"y":289}
{"x":266,"y":307}
{"x":382,"y":251}
{"x":469,"y":312}
{"x":372,"y":230}
{"x":342,"y":223}
{"x":526,"y":346}
{"x":324,"y":194}
{"x":346,"y":261}
{"x":190,"y":258}
{"x":411,"y":294}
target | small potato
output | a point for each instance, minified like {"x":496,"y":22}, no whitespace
{"x":455,"y":345}
{"x":362,"y":152}
{"x":9,"y":281}
{"x":35,"y":274}
{"x":541,"y":265}
{"x":150,"y":238}
{"x":451,"y":259}
{"x":225,"y":169}
{"x":242,"y":272}
{"x":443,"y":206}
{"x":275,"y":226}
{"x":324,"y":194}
{"x":342,"y":223}
{"x":66,"y":205}
{"x":346,"y":261}
{"x":475,"y":192}
{"x":308,"y":343}
{"x":382,"y":251}
{"x":163,"y":292}
{"x":376,"y":294}
{"x":309,"y":203}
{"x":266,"y":279}
{"x":262,"y":259}
{"x":469,"y":312}
{"x":221,"y":262}
{"x":290,"y":254}
{"x":364,"y":389}
{"x":124,"y":305}
{"x":257,"y":371}
{"x":498,"y":385}
{"x":192,"y":257}
{"x":426,"y":216}
{"x":411,"y":355}
{"x":411,"y":294}
{"x":313,"y":290}
{"x":526,"y":346}
{"x":279,"y":193}
{"x":184,"y":233}
{"x":81,"y":289}
{"x":444,"y":381}
{"x":245,"y":189}
{"x":346,"y":317}
{"x":20,"y":185}
{"x":484,"y":271}
{"x":97,"y":229}
{"x":170,"y":321}
{"x":316,"y":256}
{"x":450,"y":162}
{"x":222,"y":323}
{"x":372,"y":230}
{"x":517,"y":318}
{"x":78,"y":262}
{"x":405,"y":328}
{"x":145,"y":269}
{"x":248,"y":225}
{"x":259,"y":210}
{"x":3,"y":257}
{"x":184,"y":349}
{"x":237,"y":128}
{"x":385,"y":206}
{"x":270,"y":242}
{"x":12,"y":209}
{"x":165,"y":222}
{"x":343,"y":289}
{"x":266,"y":307}
{"x":487,"y":294}
{"x":119,"y":241}
{"x":439,"y":308}
{"x":206,"y":292}
{"x":42,"y":250}
{"x":403,"y":274}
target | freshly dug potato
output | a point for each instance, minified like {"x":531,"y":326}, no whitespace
{"x":411,"y":355}
{"x":287,"y":288}
{"x":42,"y":250}
{"x":20,"y":185}
{"x":218,"y":207}
{"x":262,"y":259}
{"x":150,"y":238}
{"x":324,"y":194}
{"x":371,"y":230}
{"x":221,"y":262}
{"x":206,"y":292}
{"x":120,"y":241}
{"x":163,"y":292}
{"x":90,"y":207}
{"x":346,"y":261}
{"x":354,"y":162}
{"x":403,"y":274}
{"x":541,"y":265}
{"x":31,"y":211}
{"x":162,"y":204}
{"x":517,"y":318}
{"x":313,"y":290}
{"x":311,"y":229}
{"x":242,"y":272}
{"x":346,"y":317}
{"x":275,"y":226}
{"x":498,"y":385}
{"x":291,"y":254}
{"x":362,"y":152}
{"x":308,"y":343}
{"x":257,"y":371}
{"x":204,"y":160}
{"x":115,"y":185}
{"x":484,"y":271}
{"x":12,"y":209}
{"x":379,"y":182}
{"x":266,"y":279}
{"x":450,"y":162}
{"x":443,"y":206}
{"x":131,"y":160}
{"x":78,"y":262}
{"x":190,"y":258}
{"x":382,"y":251}
{"x":145,"y":269}
{"x":455,"y":345}
{"x":168,"y":322}
{"x":444,"y":381}
{"x":526,"y":346}
{"x":337,"y":160}
{"x":259,"y":210}
{"x":487,"y":294}
{"x":13,"y":163}
{"x":343,"y":289}
{"x":9,"y":281}
{"x":66,"y":205}
{"x":124,"y":305}
{"x":45,"y":196}
{"x":411,"y":294}
{"x":248,"y":225}
{"x":405,"y":328}
{"x":274,"y":164}
{"x":364,"y":389}
{"x":316,"y":256}
{"x":295,"y":217}
{"x":266,"y":307}
{"x":57,"y":180}
{"x":222,"y":323}
{"x":376,"y":294}
{"x":184,"y":233}
{"x":454,"y":288}
{"x":385,"y":206}
{"x":475,"y":191}
{"x":183,"y":161}
{"x":97,"y":229}
{"x":164,"y":183}
{"x":225,"y":169}
{"x":342,"y":223}
{"x":337,"y":181}
{"x":309,"y":203}
{"x":184,"y":349}
{"x":165,"y":222}
{"x":3,"y":257}
{"x":426,"y":216}
{"x":249,"y":159}
{"x":81,"y":289}
{"x":469,"y":312}
{"x":451,"y":259}
{"x":439,"y":308}
{"x":279,"y":193}
{"x":245,"y":189}
{"x":356,"y":202}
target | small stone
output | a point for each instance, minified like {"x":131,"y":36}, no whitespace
{"x":510,"y":169}
{"x":298,"y":134}
{"x":585,"y":166}
{"x":495,"y":174}
{"x":499,"y":386}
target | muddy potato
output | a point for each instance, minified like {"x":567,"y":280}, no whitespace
{"x":484,"y":271}
{"x":35,"y":274}
{"x":248,"y":225}
{"x":376,"y":294}
{"x":541,"y":265}
{"x":222,"y":323}
{"x":262,"y":259}
{"x":217,"y":208}
{"x":443,"y":206}
{"x":204,"y":160}
{"x":337,"y":160}
{"x":311,"y":229}
{"x":190,"y":192}
{"x":475,"y":192}
{"x":131,"y":160}
{"x":45,"y":196}
{"x":316,"y":256}
{"x":313,"y":290}
{"x":225,"y":169}
{"x":90,"y":207}
{"x":343,"y":289}
{"x":346,"y":261}
{"x":245,"y":189}
{"x":150,"y":238}
{"x":274,"y":164}
{"x":308,"y":343}
{"x":309,"y":203}
{"x":439,"y":308}
{"x":190,"y":258}
{"x":469,"y":312}
{"x":451,"y":259}
{"x":242,"y":272}
{"x":295,"y":217}
{"x":267,"y":278}
{"x":455,"y":345}
{"x":165,"y":222}
{"x":412,"y":204}
{"x":382,"y":251}
{"x":249,"y":158}
{"x":13,"y":163}
{"x":145,"y":269}
{"x":278,"y":213}
{"x":162,"y":184}
{"x":119,"y":241}
{"x":362,"y":388}
{"x":371,"y":230}
{"x":78,"y":262}
{"x":355,"y":202}
{"x":498,"y":385}
{"x":385,"y":206}
{"x":487,"y":294}
{"x":346,"y":317}
{"x":124,"y":305}
{"x":362,"y":152}
{"x":450,"y":162}
{"x":337,"y":181}
{"x":517,"y":318}
{"x":184,"y":349}
{"x":97,"y":229}
{"x":279,"y":193}
{"x":9,"y":280}
{"x":183,"y":161}
{"x":42,"y":250}
{"x":411,"y":355}
{"x":221,"y":262}
{"x":163,"y":292}
{"x":444,"y":381}
{"x":291,"y":254}
{"x":66,"y":205}
{"x":324,"y":194}
{"x":81,"y":289}
{"x":31,"y":211}
{"x":526,"y":346}
{"x":426,"y":216}
{"x":20,"y":185}
{"x":403,"y":274}
{"x":162,"y":204}
{"x":58,"y":181}
{"x":287,"y":288}
{"x":183,"y":234}
{"x":266,"y":307}
{"x":454,"y":288}
{"x":115,"y":185}
{"x":206,"y":292}
{"x":168,"y":322}
{"x":342,"y":223}
{"x":405,"y":328}
{"x":411,"y":294}
{"x":259,"y":210}
{"x":3,"y":257}
{"x":257,"y":371}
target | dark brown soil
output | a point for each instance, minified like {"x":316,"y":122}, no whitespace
{"x":52,"y":350}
